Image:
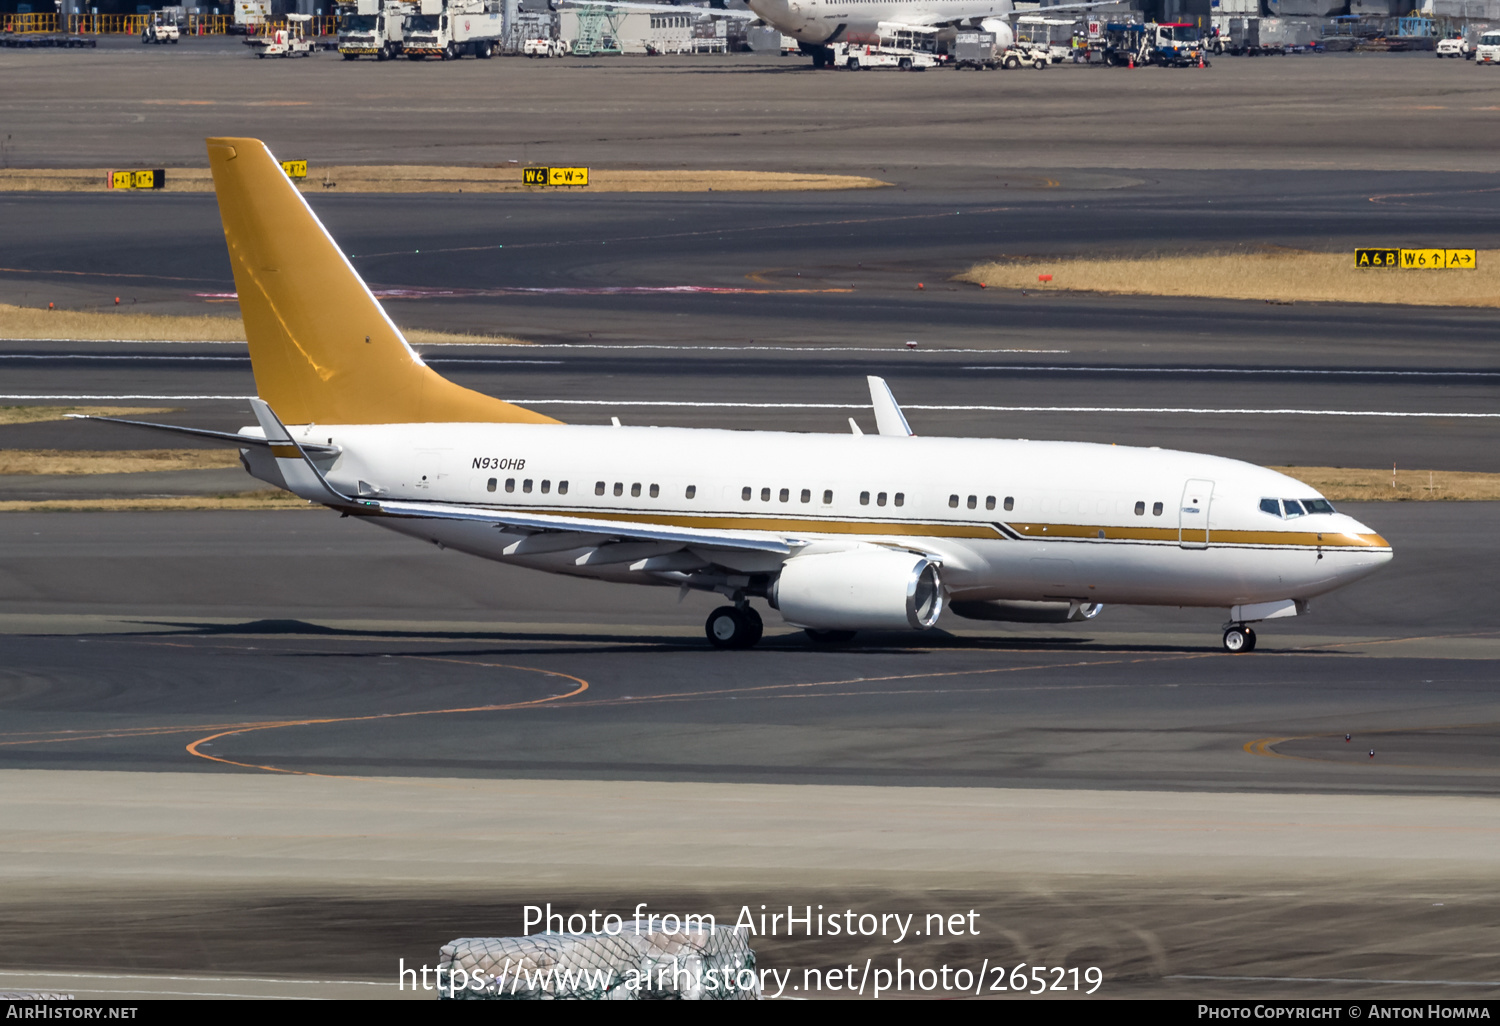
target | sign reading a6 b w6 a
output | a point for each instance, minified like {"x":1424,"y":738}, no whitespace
{"x":1417,"y":259}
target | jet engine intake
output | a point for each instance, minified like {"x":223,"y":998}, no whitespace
{"x":859,"y":589}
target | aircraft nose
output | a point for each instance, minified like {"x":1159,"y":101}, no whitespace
{"x":1369,"y":549}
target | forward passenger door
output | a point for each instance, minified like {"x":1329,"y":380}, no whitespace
{"x":1192,"y":515}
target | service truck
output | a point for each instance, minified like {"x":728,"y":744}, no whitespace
{"x":897,"y":45}
{"x":249,"y":16}
{"x":162,"y":28}
{"x":1488,"y":51}
{"x":372,"y":28}
{"x":449,"y":29}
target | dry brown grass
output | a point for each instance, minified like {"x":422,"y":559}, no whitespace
{"x":127,"y":461}
{"x":1343,"y":484}
{"x":420,"y":178}
{"x":36,"y":414}
{"x":26,"y":322}
{"x":1273,"y":275}
{"x":242,"y":500}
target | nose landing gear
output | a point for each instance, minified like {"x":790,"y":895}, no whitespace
{"x":1239,"y":638}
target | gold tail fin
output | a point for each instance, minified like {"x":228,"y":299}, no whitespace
{"x":322,"y":349}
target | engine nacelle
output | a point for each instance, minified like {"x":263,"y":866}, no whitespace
{"x":1028,"y":612}
{"x":1005,"y":36}
{"x":860,"y":589}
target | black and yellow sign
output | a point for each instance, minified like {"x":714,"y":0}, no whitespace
{"x":1417,"y":259}
{"x":294,"y":168}
{"x":1377,"y":257}
{"x":156,"y":179}
{"x":555,"y":176}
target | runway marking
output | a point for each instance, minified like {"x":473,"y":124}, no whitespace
{"x":168,"y":358}
{"x":691,"y":695}
{"x":689,"y":404}
{"x":1266,"y":747}
{"x":192,"y":748}
{"x":1336,"y":979}
{"x":892,"y":348}
{"x":1309,"y":371}
{"x":721,"y":231}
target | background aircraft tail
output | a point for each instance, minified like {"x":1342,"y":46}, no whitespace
{"x":322,"y":349}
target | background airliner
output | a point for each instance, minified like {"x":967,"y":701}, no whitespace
{"x":837,"y":532}
{"x":818,"y":23}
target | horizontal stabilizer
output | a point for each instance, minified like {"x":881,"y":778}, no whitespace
{"x":224,"y":437}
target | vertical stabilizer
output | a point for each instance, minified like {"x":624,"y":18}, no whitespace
{"x":322,"y":349}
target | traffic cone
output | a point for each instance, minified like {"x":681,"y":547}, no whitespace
{"x":1132,"y":63}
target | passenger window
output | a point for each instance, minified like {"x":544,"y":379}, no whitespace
{"x":880,"y":499}
{"x":692,"y":491}
{"x":562,"y":488}
{"x":1140,"y":509}
{"x":745,"y":493}
{"x":655,"y":491}
{"x":510,"y":484}
{"x":973,"y":502}
{"x":765,"y":495}
{"x":526,"y":485}
{"x":864,"y":498}
{"x":598,"y":487}
{"x":806,"y":495}
{"x":989,"y":502}
{"x":490,"y":487}
{"x":546,"y":487}
{"x":1010,"y":502}
{"x":619,"y":488}
{"x":828,"y":497}
{"x":1156,"y":509}
{"x":635,"y":490}
{"x":785,"y":495}
{"x":900,"y":498}
{"x":953,"y":501}
{"x":1271,"y":506}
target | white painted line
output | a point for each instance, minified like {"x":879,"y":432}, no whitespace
{"x":165,"y":358}
{"x":1310,"y":371}
{"x":892,"y":348}
{"x":1339,"y":979}
{"x":670,"y":403}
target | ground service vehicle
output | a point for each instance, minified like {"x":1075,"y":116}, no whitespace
{"x":546,"y":48}
{"x":372,"y":28}
{"x":1454,"y":46}
{"x":449,"y":29}
{"x":250,"y":15}
{"x":290,"y":41}
{"x":837,"y":532}
{"x":162,"y":28}
{"x":1024,"y":55}
{"x":972,"y":49}
{"x":1488,"y":51}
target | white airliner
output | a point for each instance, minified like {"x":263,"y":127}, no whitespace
{"x":837,"y":532}
{"x":817,"y":24}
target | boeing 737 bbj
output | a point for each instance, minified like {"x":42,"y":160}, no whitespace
{"x":837,"y":532}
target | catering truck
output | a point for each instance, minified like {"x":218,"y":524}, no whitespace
{"x":372,"y":28}
{"x":449,"y":29}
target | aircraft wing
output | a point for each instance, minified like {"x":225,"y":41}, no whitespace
{"x":627,"y":5}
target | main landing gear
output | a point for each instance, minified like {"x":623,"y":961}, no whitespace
{"x":733,"y":627}
{"x":1239,"y":638}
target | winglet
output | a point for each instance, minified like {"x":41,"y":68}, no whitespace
{"x":299,"y":472}
{"x":889,"y":419}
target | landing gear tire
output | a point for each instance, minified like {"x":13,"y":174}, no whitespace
{"x":829,"y":637}
{"x":731,"y":627}
{"x":1239,"y":638}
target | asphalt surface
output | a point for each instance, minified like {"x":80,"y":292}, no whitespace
{"x":128,"y":637}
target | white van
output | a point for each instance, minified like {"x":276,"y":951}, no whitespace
{"x":1489,"y":49}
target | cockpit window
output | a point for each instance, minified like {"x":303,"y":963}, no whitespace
{"x":1292,"y":507}
{"x":1271,"y":506}
{"x":1317,"y":505}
